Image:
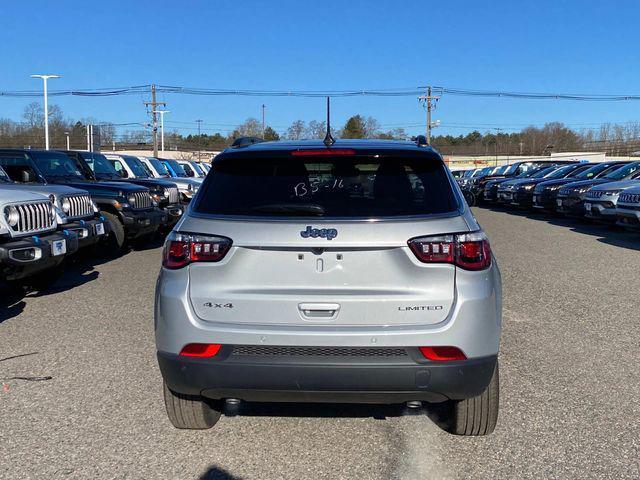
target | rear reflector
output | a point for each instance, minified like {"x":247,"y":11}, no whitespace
{"x":323,"y":152}
{"x":200,"y":350}
{"x":442,"y":354}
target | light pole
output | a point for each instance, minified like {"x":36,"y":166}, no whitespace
{"x":162,"y":112}
{"x":66,"y":134}
{"x":46,"y":107}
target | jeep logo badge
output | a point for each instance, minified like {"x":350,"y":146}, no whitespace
{"x":310,"y":232}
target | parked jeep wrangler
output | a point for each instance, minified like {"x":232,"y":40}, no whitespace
{"x":128,"y":168}
{"x":128,"y":208}
{"x":30,"y":246}
{"x":186,"y":186}
{"x":74,"y":210}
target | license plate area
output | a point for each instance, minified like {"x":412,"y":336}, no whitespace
{"x":58,"y":247}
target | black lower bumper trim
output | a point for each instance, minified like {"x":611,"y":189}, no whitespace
{"x":141,"y":223}
{"x":87,"y":231}
{"x":15,"y":266}
{"x":358,"y":382}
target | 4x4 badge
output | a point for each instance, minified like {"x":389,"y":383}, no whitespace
{"x":310,"y":232}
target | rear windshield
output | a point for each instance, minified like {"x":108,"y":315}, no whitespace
{"x":359,"y":186}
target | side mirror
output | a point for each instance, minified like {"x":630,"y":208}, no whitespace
{"x":26,"y":176}
{"x":123,"y":173}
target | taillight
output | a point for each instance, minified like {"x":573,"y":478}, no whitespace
{"x":200,"y":350}
{"x":470,"y":251}
{"x":181,"y":249}
{"x":442,"y":354}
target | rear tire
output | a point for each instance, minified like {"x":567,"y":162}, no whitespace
{"x":477,"y":416}
{"x":189,"y":411}
{"x":114,"y":243}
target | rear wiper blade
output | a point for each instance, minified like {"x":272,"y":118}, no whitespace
{"x":291,"y":208}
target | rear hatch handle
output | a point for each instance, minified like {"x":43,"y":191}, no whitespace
{"x":319,"y":311}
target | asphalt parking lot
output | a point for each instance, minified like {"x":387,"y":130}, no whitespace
{"x":570,"y":393}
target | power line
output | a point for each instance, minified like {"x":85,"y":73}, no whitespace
{"x":389,"y":92}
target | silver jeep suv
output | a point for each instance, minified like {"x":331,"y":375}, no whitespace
{"x":349,"y":273}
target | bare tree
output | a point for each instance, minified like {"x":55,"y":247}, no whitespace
{"x":296,"y":131}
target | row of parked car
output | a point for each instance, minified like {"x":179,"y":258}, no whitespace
{"x":55,"y":203}
{"x":607,"y":192}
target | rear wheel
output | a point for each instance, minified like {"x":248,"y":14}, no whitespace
{"x":189,"y":411}
{"x":477,"y":415}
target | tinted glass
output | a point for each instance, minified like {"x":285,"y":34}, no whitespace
{"x":100,"y":165}
{"x":342,"y":187}
{"x":136,"y":166}
{"x":3,"y":176}
{"x":561,"y":172}
{"x":624,"y":171}
{"x":176,"y":167}
{"x":56,"y":165}
{"x":197,"y":168}
{"x":593,"y":171}
{"x":160,"y":168}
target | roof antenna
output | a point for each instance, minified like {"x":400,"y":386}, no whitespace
{"x":328,"y":139}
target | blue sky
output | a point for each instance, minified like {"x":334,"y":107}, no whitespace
{"x":536,"y":46}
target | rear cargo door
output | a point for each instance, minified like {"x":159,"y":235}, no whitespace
{"x":323,"y":241}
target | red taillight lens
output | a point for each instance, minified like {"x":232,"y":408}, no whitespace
{"x":442,"y":354}
{"x":181,"y":249}
{"x":434,"y":249}
{"x":200,"y":350}
{"x":323,"y":152}
{"x":470,"y":251}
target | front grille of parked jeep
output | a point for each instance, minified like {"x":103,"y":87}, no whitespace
{"x":280,"y":351}
{"x":629,"y":198}
{"x":173,"y":194}
{"x":143,"y":200}
{"x":33,"y":217}
{"x":81,"y":206}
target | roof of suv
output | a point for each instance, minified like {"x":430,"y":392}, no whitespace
{"x":364,"y":144}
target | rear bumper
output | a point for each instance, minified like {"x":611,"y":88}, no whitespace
{"x":325,"y":380}
{"x":138,"y":223}
{"x":88,"y":230}
{"x":27,"y":256}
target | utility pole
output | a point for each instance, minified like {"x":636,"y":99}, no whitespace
{"x":153,"y":105}
{"x":263,"y":109}
{"x":46,"y":107}
{"x":162,"y":112}
{"x":427,"y":99}
{"x":199,"y":122}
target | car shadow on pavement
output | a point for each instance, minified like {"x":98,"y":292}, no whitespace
{"x":11,"y":302}
{"x":215,"y":473}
